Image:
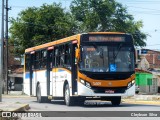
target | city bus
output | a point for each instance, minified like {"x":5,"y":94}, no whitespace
{"x":94,"y":65}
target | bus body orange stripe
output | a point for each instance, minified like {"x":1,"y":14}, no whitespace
{"x":108,"y":83}
{"x":56,"y":69}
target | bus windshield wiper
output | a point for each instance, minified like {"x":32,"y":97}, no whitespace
{"x":115,"y":55}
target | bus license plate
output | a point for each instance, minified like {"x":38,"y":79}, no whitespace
{"x":109,"y":91}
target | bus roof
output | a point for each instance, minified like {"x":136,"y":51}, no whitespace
{"x":49,"y":44}
{"x":106,"y":33}
{"x":71,"y":38}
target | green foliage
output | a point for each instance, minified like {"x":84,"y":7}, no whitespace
{"x":35,"y":26}
{"x":106,"y":15}
{"x":38,"y":25}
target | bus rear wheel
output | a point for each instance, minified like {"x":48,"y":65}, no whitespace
{"x":116,"y":101}
{"x":41,"y":99}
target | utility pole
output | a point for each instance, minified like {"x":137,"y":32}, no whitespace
{"x":1,"y":52}
{"x":6,"y":47}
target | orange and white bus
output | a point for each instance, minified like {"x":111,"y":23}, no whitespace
{"x":84,"y":66}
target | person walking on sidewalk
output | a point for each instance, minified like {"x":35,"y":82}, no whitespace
{"x":10,"y":85}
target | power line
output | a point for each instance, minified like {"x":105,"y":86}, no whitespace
{"x":18,"y":6}
{"x":144,"y":12}
{"x":145,"y":8}
{"x":154,"y":45}
{"x":143,"y":2}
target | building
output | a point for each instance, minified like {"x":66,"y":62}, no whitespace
{"x":147,"y":81}
{"x":148,"y":71}
{"x":16,"y":78}
{"x":148,"y":59}
{"x":15,"y":70}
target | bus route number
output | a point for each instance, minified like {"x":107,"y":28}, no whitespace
{"x":97,"y":83}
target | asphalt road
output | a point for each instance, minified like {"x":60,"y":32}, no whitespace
{"x":95,"y":108}
{"x":89,"y":105}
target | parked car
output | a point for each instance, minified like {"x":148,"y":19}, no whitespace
{"x":137,"y":89}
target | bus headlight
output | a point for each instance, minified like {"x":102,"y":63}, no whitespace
{"x":87,"y":84}
{"x":82,"y":81}
{"x":130,"y":84}
{"x":133,"y":81}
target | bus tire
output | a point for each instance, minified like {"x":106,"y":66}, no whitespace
{"x":41,"y":99}
{"x":69,"y":101}
{"x":116,"y":101}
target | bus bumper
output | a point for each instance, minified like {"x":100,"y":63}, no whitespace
{"x":85,"y":91}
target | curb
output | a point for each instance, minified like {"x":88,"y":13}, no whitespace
{"x":24,"y":107}
{"x":15,"y":96}
{"x":142,"y":102}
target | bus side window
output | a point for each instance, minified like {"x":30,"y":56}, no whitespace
{"x":43,"y":59}
{"x":27,"y":64}
{"x":54,"y":59}
{"x":50,"y":58}
{"x":34,"y":58}
{"x":37,"y":58}
{"x":57,"y":57}
{"x":67,"y":55}
{"x":62,"y":55}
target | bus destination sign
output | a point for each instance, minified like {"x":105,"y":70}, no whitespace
{"x":106,"y":38}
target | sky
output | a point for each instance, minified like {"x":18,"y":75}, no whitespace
{"x":147,"y":11}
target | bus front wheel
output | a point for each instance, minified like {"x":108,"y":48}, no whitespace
{"x":67,"y":98}
{"x":116,"y":101}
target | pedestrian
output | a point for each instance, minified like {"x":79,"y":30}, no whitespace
{"x":10,"y":85}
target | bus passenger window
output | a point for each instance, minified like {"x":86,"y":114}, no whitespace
{"x":57,"y":57}
{"x":67,"y":55}
{"x":62,"y":59}
{"x":53,"y":59}
{"x":27,"y":62}
{"x":37,"y":60}
{"x":43,"y":59}
{"x":62,"y":55}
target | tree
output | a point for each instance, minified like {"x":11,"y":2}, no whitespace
{"x":35,"y":26}
{"x":106,"y":15}
{"x":38,"y":25}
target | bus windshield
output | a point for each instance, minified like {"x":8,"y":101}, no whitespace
{"x":97,"y":58}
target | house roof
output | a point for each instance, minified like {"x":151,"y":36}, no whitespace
{"x":152,"y":50}
{"x":16,"y":75}
{"x":18,"y":71}
{"x":144,"y":71}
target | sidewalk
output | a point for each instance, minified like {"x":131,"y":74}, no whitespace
{"x":13,"y":106}
{"x":143,"y":99}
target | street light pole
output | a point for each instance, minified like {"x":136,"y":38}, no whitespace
{"x":6,"y":39}
{"x":1,"y":52}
